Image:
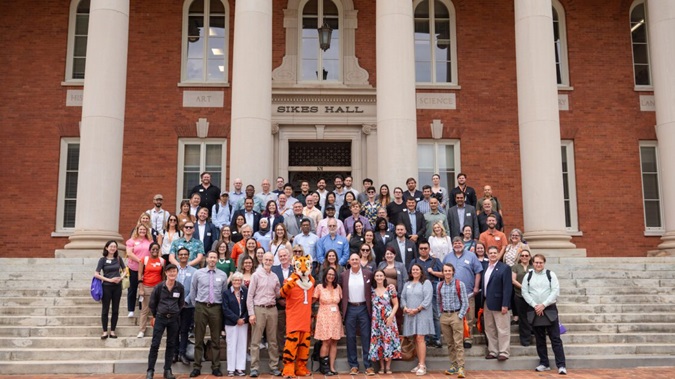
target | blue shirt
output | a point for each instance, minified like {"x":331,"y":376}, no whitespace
{"x":339,"y":244}
{"x":466,"y":268}
{"x":185,"y":278}
{"x":308,"y":243}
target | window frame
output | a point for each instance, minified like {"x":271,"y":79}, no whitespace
{"x":182,"y":142}
{"x":184,"y":81}
{"x":641,"y":87}
{"x":562,"y":53}
{"x":452,"y":182}
{"x":340,"y":9}
{"x":70,"y":49}
{"x":454,"y":83}
{"x":573,"y":228}
{"x":652,"y":231}
{"x":59,"y":229}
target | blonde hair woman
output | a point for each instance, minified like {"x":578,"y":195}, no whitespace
{"x":439,"y":242}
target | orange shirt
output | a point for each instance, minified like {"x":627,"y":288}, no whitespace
{"x":152,"y":271}
{"x":238,"y":249}
{"x":299,"y":314}
{"x":495,"y":238}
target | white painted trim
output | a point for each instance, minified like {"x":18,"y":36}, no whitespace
{"x":649,"y":87}
{"x":572,"y":182}
{"x":202,"y":162}
{"x":453,"y":48}
{"x":456,"y":152}
{"x":183,"y":64}
{"x":201,"y":85}
{"x":61,"y":191}
{"x":70,"y":50}
{"x":562,"y":30}
{"x":652,"y":231}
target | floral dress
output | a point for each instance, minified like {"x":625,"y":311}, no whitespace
{"x":328,"y":319}
{"x":384,"y":340}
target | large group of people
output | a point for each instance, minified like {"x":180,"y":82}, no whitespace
{"x":406,"y":271}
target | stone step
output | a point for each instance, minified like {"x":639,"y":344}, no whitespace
{"x":654,"y":327}
{"x":46,"y":301}
{"x":620,"y":274}
{"x":617,"y":299}
{"x":564,"y":308}
{"x":650,"y":261}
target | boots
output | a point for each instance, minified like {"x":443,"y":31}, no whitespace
{"x":324,"y":366}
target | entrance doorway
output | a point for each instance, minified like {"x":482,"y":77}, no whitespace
{"x":312,"y":160}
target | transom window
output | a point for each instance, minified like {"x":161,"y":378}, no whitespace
{"x":640,"y":42}
{"x":78,"y":30}
{"x":316,"y":64}
{"x":435,"y":42}
{"x":560,"y":44}
{"x":205,"y":48}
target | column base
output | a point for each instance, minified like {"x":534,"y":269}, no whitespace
{"x":668,"y":241}
{"x":93,"y":240}
{"x":549,"y":240}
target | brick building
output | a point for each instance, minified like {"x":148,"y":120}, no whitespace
{"x":566,"y":108}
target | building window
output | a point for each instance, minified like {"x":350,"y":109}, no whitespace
{"x":316,"y":64}
{"x":196,"y":156}
{"x":640,"y":42}
{"x":78,"y":28}
{"x":651,"y":190}
{"x":560,"y":44}
{"x":569,"y":186}
{"x":435,"y":42}
{"x":67,"y":191}
{"x":438,"y":157}
{"x":205,"y":37}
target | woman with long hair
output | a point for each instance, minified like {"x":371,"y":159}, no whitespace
{"x":225,"y":263}
{"x":331,"y":261}
{"x":366,"y":254}
{"x":418,"y":318}
{"x":108,"y":270}
{"x":345,"y":210}
{"x":144,"y":219}
{"x":184,"y":214}
{"x":279,"y":242}
{"x":235,"y":230}
{"x":150,"y":271}
{"x":439,"y":242}
{"x":356,"y":239}
{"x":171,"y":233}
{"x":246,"y":268}
{"x":396,"y":275}
{"x":384,"y":197}
{"x":138,"y":247}
{"x":330,"y":200}
{"x":328,"y":327}
{"x":513,"y":249}
{"x":271,"y":213}
{"x":225,"y":236}
{"x":385,"y":343}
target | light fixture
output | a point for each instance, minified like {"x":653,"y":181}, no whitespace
{"x":325,"y":33}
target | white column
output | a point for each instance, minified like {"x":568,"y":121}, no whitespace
{"x":252,"y":143}
{"x":396,"y":107}
{"x":539,"y":127}
{"x":102,"y":127}
{"x":661,"y":23}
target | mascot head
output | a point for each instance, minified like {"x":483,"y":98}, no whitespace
{"x":303,"y":269}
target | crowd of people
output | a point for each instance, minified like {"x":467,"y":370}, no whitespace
{"x":401,"y":269}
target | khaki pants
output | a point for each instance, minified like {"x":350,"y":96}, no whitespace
{"x":146,"y":292}
{"x":452,"y":328}
{"x":470,"y":319}
{"x":265,"y":320}
{"x":498,"y":332}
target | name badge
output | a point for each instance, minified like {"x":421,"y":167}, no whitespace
{"x":176,"y":295}
{"x":333,"y":309}
{"x":339,"y":242}
{"x":398,"y":272}
{"x":218,"y":280}
{"x":188,"y":274}
{"x":208,"y":234}
{"x":468,"y":214}
{"x":108,"y":261}
{"x":409,"y":286}
{"x":466,"y":261}
{"x":410,"y":249}
{"x":497,"y":238}
{"x":201,"y":190}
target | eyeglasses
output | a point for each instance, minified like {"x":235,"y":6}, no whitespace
{"x":188,"y":227}
{"x":365,"y":249}
{"x":424,"y":248}
{"x":332,"y":226}
{"x":297,"y":251}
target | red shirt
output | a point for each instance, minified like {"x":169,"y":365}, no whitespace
{"x":152,"y":271}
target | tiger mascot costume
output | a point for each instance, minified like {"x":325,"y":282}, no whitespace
{"x":298,"y":290}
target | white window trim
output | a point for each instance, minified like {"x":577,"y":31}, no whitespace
{"x":70,"y":50}
{"x":340,"y":79}
{"x":456,"y":151}
{"x":184,"y":46}
{"x":202,"y":162}
{"x":573,"y":230}
{"x":651,"y":231}
{"x":636,"y":87}
{"x":564,"y":63}
{"x":454,"y":84}
{"x":60,"y":230}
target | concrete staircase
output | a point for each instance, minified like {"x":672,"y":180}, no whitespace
{"x":618,"y":312}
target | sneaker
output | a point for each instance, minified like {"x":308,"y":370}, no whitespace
{"x":461,"y":373}
{"x":354,"y":371}
{"x":562,"y":371}
{"x":370,"y":371}
{"x":230,"y":374}
{"x":140,"y":335}
{"x":467,"y":345}
{"x":131,"y":314}
{"x":452,"y":371}
{"x":542,"y":368}
{"x":421,"y":371}
{"x":253,"y":374}
{"x":239,"y":373}
{"x":414,"y":370}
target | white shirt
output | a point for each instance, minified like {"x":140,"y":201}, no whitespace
{"x":486,"y":280}
{"x":248,"y":216}
{"x":202,"y":230}
{"x":356,"y":287}
{"x":158,"y":218}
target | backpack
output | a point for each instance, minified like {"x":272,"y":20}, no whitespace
{"x":96,"y":289}
{"x":529,"y":276}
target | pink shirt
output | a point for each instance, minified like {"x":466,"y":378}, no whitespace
{"x":263,"y":290}
{"x":141,"y":248}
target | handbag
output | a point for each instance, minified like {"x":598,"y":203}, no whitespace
{"x":408,"y":349}
{"x":96,"y":289}
{"x":125,"y":278}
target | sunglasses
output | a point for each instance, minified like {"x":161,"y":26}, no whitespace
{"x":188,"y":227}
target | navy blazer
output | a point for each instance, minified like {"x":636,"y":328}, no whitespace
{"x":410,"y":254}
{"x":367,"y":287}
{"x":256,"y":219}
{"x":232,"y":311}
{"x":404,"y":219}
{"x":470,"y":218}
{"x":276,"y":269}
{"x":212,"y":234}
{"x":499,"y":287}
